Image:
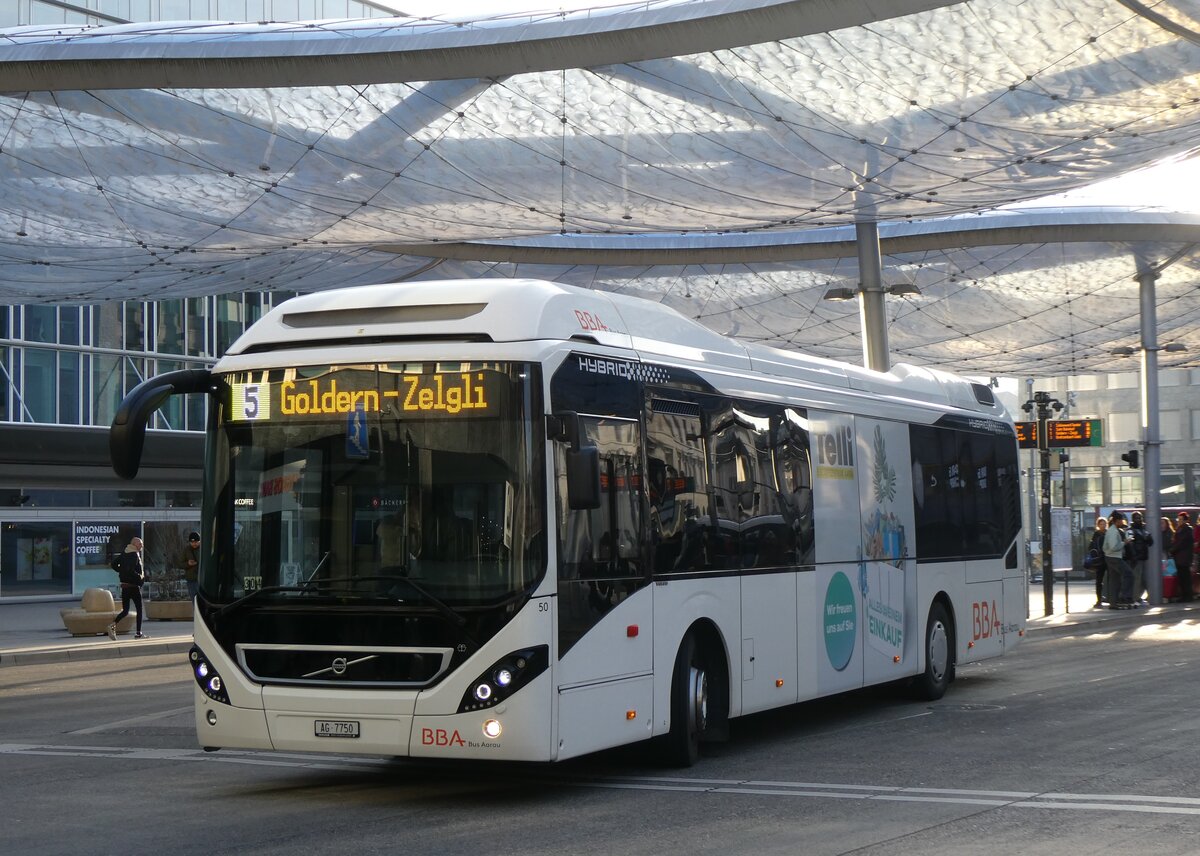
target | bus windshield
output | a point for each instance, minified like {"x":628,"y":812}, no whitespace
{"x":401,"y":483}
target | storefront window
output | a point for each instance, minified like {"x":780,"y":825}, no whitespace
{"x":35,"y":559}
{"x":164,"y":557}
{"x":96,"y":544}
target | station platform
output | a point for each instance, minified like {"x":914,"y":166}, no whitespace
{"x":33,"y":632}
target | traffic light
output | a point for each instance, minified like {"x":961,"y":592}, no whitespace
{"x":1131,"y":458}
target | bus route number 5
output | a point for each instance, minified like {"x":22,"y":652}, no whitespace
{"x":250,"y":399}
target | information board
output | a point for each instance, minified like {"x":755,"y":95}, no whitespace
{"x":1063,"y":433}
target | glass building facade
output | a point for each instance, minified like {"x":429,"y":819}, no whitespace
{"x":65,"y":369}
{"x":63,"y":373}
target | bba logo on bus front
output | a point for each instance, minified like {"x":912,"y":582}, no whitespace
{"x":441,"y":737}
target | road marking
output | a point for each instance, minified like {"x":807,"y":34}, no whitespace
{"x":137,"y":720}
{"x":1141,"y":803}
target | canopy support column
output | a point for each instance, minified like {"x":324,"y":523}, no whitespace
{"x":871,"y":305}
{"x":1151,"y":445}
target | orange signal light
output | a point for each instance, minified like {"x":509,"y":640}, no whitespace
{"x":631,"y":714}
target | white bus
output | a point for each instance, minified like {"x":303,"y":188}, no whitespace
{"x":517,"y":520}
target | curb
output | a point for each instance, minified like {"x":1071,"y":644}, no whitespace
{"x":1093,"y":622}
{"x":79,"y":654}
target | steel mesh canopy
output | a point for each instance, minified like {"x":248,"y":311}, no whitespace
{"x":155,"y":161}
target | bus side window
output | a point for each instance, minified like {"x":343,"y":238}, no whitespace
{"x":680,"y":517}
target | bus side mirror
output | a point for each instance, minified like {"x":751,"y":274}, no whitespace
{"x":583,"y":461}
{"x":583,"y":478}
{"x":127,"y":436}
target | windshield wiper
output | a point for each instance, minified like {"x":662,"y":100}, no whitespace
{"x":439,"y":604}
{"x":257,"y":593}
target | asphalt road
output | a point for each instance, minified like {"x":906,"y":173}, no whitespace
{"x":1068,"y":746}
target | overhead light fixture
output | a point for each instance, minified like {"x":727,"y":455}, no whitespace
{"x":841,"y":294}
{"x":1126,"y":351}
{"x":904,"y":289}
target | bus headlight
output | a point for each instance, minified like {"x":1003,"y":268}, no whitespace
{"x":206,"y":676}
{"x":492,"y":729}
{"x":503,"y":678}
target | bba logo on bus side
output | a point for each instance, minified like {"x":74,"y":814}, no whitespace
{"x":985,"y":619}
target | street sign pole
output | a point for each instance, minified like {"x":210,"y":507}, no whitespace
{"x":1043,"y":402}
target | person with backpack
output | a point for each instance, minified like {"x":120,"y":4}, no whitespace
{"x":1138,"y":544}
{"x":132,"y":574}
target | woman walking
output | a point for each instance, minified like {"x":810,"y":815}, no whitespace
{"x":132,"y":574}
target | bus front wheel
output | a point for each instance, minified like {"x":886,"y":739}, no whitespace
{"x":939,"y":655}
{"x":689,"y":705}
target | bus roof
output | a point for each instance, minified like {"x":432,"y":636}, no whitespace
{"x":515,"y":310}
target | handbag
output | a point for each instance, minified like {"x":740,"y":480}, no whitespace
{"x":1169,"y":567}
{"x":1094,"y":560}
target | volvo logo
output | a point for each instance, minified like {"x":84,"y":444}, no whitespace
{"x":339,"y":666}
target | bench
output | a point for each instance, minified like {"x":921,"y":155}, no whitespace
{"x":96,"y":611}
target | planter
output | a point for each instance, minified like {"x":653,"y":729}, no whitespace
{"x":169,"y":610}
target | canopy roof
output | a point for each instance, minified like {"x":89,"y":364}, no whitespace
{"x":159,"y":161}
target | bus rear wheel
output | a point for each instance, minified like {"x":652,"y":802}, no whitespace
{"x":939,"y":655}
{"x":689,"y":705}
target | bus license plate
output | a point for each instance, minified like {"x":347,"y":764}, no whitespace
{"x":335,"y":728}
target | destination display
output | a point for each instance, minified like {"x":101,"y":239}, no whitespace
{"x":1062,"y":433}
{"x":338,"y":393}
